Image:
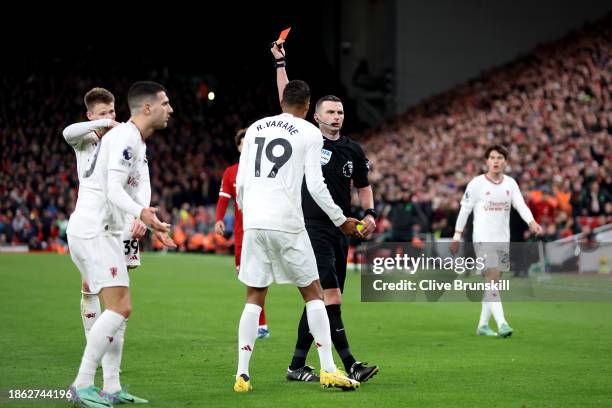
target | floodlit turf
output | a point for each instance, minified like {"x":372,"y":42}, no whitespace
{"x":181,"y":343}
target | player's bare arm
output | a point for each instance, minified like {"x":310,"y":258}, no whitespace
{"x":279,"y":52}
{"x":366,"y":198}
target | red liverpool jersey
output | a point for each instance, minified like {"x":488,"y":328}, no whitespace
{"x":228,"y":190}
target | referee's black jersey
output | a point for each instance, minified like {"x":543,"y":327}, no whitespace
{"x":342,"y":161}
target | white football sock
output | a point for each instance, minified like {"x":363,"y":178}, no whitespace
{"x":318,"y":322}
{"x":90,"y":311}
{"x":495,"y":305}
{"x":485,"y":314}
{"x":247,"y":334}
{"x":111,"y":362}
{"x":100,"y":337}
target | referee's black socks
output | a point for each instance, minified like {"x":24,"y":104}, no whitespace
{"x":338,"y":336}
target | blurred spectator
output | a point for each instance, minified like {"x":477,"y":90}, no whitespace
{"x":551,"y":108}
{"x":38,"y":180}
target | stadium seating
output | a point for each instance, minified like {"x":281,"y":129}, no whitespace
{"x":552,"y":108}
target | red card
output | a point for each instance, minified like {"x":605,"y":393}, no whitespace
{"x":283,"y":35}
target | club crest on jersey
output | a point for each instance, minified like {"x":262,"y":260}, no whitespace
{"x":347,"y":169}
{"x":325,"y":156}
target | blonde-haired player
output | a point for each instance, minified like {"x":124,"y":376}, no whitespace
{"x":110,"y":189}
{"x":85,"y":137}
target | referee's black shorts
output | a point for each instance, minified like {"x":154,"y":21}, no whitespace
{"x":330,"y":247}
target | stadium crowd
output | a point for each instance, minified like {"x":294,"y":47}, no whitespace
{"x":552,"y":108}
{"x":38,"y":180}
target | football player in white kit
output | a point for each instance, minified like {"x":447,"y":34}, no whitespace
{"x":110,"y":188}
{"x":491,"y":196}
{"x":84,"y":138}
{"x":278,"y":153}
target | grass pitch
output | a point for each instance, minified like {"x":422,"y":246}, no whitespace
{"x":180,"y":348}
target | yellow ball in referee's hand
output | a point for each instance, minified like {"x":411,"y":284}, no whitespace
{"x":360,"y":227}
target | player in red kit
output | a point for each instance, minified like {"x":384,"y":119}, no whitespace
{"x":228,"y":192}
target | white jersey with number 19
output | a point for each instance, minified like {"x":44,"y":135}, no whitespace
{"x":278,"y":153}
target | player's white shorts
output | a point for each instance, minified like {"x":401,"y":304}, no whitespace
{"x":130,"y":247}
{"x":277,"y":256}
{"x":495,"y":254}
{"x":100,"y":261}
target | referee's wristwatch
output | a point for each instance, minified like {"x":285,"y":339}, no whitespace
{"x":370,"y":211}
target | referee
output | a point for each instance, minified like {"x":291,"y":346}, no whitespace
{"x":344,"y":165}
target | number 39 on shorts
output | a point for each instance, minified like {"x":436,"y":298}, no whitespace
{"x":130,"y":247}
